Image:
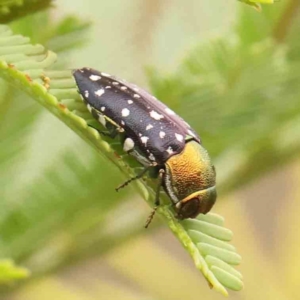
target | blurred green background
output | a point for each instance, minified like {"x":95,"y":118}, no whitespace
{"x":233,"y":74}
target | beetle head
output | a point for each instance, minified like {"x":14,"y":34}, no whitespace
{"x":190,"y":181}
{"x":199,"y":202}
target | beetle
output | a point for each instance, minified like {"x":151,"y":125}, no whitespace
{"x":156,"y":137}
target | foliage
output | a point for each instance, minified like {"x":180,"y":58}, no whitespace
{"x":256,"y":3}
{"x":14,"y":9}
{"x":9,"y":272}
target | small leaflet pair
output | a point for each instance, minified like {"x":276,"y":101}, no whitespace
{"x":156,"y":137}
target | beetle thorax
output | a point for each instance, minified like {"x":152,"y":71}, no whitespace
{"x":189,"y":172}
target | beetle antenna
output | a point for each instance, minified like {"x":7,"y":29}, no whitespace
{"x":141,"y":174}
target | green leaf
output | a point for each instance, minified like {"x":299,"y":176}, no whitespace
{"x":13,"y":9}
{"x":255,"y":5}
{"x":9,"y":272}
{"x":66,"y":34}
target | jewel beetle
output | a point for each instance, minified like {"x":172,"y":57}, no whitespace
{"x":156,"y":137}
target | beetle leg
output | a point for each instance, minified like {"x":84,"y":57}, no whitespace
{"x":111,"y":133}
{"x":157,"y":200}
{"x":141,"y":174}
{"x":159,"y":185}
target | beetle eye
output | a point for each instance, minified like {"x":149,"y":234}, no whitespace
{"x":189,"y":209}
{"x":201,"y":204}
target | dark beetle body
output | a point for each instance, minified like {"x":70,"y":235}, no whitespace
{"x":143,"y":115}
{"x":153,"y":134}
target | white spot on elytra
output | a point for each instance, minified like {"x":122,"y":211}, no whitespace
{"x":123,"y":88}
{"x":169,"y":111}
{"x":144,"y":139}
{"x":122,"y":123}
{"x":95,"y":77}
{"x":115,"y":83}
{"x":128,"y":144}
{"x":140,"y":134}
{"x":129,"y":101}
{"x":86,"y":94}
{"x":99,"y":92}
{"x":125,"y":112}
{"x":162,"y":134}
{"x":105,"y":74}
{"x":101,"y":119}
{"x":179,"y":137}
{"x":170,"y":150}
{"x":108,"y":87}
{"x":102,"y":108}
{"x":136,"y":96}
{"x":136,"y":89}
{"x":149,"y":126}
{"x":151,"y":157}
{"x":155,"y":115}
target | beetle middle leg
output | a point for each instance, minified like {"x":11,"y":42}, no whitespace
{"x":112,"y":133}
{"x":157,"y":200}
{"x":112,"y":130}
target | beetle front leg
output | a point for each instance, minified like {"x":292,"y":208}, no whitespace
{"x":159,"y":185}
